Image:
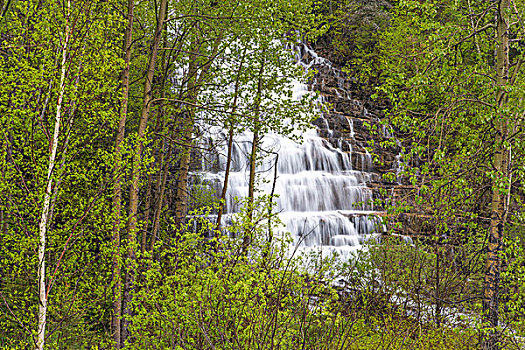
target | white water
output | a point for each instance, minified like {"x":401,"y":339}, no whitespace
{"x":321,"y":199}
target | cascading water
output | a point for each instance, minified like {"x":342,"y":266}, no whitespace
{"x":322,"y":200}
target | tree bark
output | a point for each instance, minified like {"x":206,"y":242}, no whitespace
{"x":255,"y":142}
{"x":499,"y":186}
{"x":194,"y":82}
{"x":161,"y":190}
{"x":181,"y":204}
{"x":136,"y":171}
{"x":253,"y":165}
{"x":117,"y":190}
{"x":150,"y":194}
{"x":222,"y":202}
{"x":41,"y":274}
{"x":253,"y":156}
{"x":159,"y":128}
{"x":147,"y":207}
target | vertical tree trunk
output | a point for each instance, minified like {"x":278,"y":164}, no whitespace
{"x":147,"y":206}
{"x":195,"y":81}
{"x":255,"y":141}
{"x":161,"y":190}
{"x":251,"y":188}
{"x":41,"y":274}
{"x":159,"y":127}
{"x":253,"y":165}
{"x":181,"y":204}
{"x":253,"y":155}
{"x":136,"y":171}
{"x":187,"y":119}
{"x":3,"y":223}
{"x":150,"y":193}
{"x":117,"y":190}
{"x":499,"y":195}
{"x":222,"y":202}
{"x":437,"y":292}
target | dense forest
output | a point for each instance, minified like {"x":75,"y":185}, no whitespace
{"x":314,"y":174}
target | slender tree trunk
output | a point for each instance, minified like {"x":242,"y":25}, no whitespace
{"x":42,"y":293}
{"x":147,"y":207}
{"x":187,"y":120}
{"x":195,"y":81}
{"x":149,"y":192}
{"x":65,"y":147}
{"x":161,"y":184}
{"x":255,"y":142}
{"x":253,"y":156}
{"x":159,"y":128}
{"x":253,"y":165}
{"x":117,"y":190}
{"x":251,"y":188}
{"x":222,"y":202}
{"x":3,"y":223}
{"x":136,"y":171}
{"x":161,"y":190}
{"x":181,"y":204}
{"x":437,"y":292}
{"x":499,"y":202}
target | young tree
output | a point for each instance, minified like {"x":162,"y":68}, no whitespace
{"x":117,"y":189}
{"x":41,"y":275}
{"x":138,"y":164}
{"x":58,"y":78}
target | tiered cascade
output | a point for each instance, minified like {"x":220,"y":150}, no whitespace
{"x":322,"y":190}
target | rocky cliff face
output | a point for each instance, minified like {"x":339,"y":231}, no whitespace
{"x":352,"y":122}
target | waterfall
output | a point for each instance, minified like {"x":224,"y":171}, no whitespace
{"x":322,"y":199}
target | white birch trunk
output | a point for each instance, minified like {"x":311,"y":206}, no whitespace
{"x":42,"y":293}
